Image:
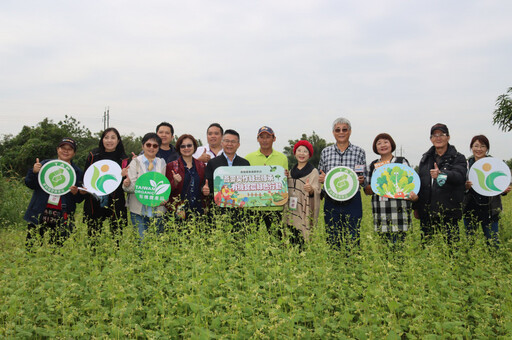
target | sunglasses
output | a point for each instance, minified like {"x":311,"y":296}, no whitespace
{"x":338,"y":130}
{"x":154,"y":146}
{"x":184,"y":146}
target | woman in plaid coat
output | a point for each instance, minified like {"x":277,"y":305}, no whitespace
{"x":391,"y":217}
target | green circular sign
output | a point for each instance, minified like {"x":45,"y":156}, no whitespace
{"x":56,"y":177}
{"x":341,"y":183}
{"x":152,"y":188}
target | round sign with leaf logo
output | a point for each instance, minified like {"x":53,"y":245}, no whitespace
{"x":103,"y":177}
{"x":152,"y":188}
{"x":490,"y":176}
{"x":341,"y":183}
{"x":56,"y":177}
{"x":395,"y":180}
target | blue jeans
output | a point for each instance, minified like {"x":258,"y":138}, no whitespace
{"x":142,"y":223}
{"x":490,"y":230}
{"x":342,"y":219}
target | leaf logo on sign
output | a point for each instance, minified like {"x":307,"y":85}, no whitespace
{"x":98,"y":182}
{"x":57,"y":177}
{"x":341,"y":183}
{"x":488,"y":183}
{"x":159,"y":188}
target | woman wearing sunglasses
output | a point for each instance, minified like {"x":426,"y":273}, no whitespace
{"x":186,"y":175}
{"x":142,"y":215}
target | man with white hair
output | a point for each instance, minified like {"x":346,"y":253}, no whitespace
{"x":343,"y":217}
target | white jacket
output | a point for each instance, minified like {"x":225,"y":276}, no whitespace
{"x":136,"y":170}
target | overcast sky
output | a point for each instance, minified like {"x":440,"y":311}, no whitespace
{"x":387,"y":66}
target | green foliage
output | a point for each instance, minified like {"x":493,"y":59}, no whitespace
{"x":503,"y":114}
{"x":318,"y":145}
{"x":20,"y":152}
{"x":14,"y":198}
{"x":187,"y":283}
{"x":509,"y":163}
{"x":132,"y":144}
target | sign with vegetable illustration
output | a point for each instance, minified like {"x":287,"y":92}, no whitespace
{"x":341,"y":183}
{"x":56,"y":177}
{"x":490,"y":176}
{"x":103,"y":177}
{"x":152,"y":188}
{"x":395,"y":180}
{"x":250,"y":186}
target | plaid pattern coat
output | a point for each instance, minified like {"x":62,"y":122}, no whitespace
{"x":390,"y":214}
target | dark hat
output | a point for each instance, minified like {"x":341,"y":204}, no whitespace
{"x":267,"y":130}
{"x":306,"y":144}
{"x":440,"y":127}
{"x":69,"y":141}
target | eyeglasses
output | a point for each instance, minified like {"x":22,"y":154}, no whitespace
{"x":184,"y":146}
{"x":338,"y":130}
{"x":154,"y":146}
{"x":230,"y":141}
{"x":437,"y":135}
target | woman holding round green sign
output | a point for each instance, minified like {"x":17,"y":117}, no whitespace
{"x":391,"y":216}
{"x":111,"y":206}
{"x":53,"y":203}
{"x":144,"y":184}
{"x":479,"y":209}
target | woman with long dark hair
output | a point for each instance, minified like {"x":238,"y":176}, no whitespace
{"x":110,"y":207}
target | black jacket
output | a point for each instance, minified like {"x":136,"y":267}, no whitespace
{"x":116,"y":201}
{"x":446,"y":198}
{"x":218,"y":161}
{"x":479,"y":205}
{"x":40,"y":197}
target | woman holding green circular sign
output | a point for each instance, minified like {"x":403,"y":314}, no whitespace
{"x":391,"y":216}
{"x":53,"y":203}
{"x":479,"y":209}
{"x":143,"y":209}
{"x":111,"y":207}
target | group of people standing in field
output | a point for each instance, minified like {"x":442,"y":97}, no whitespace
{"x":446,"y":196}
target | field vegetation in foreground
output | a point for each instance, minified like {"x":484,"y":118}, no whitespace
{"x":219,"y":285}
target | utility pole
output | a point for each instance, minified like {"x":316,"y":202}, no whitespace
{"x":106,"y":118}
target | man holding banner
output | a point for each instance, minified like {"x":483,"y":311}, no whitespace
{"x":230,"y":145}
{"x":266,"y":155}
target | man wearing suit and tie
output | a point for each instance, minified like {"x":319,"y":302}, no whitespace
{"x":230,"y":144}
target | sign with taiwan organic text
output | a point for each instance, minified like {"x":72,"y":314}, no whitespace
{"x":341,"y":183}
{"x":250,"y":186}
{"x":395,"y":180}
{"x":490,"y":176}
{"x":103,"y":177}
{"x":56,"y":177}
{"x":152,"y":188}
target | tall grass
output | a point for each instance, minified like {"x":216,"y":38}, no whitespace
{"x":14,"y":196}
{"x":222,"y":285}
